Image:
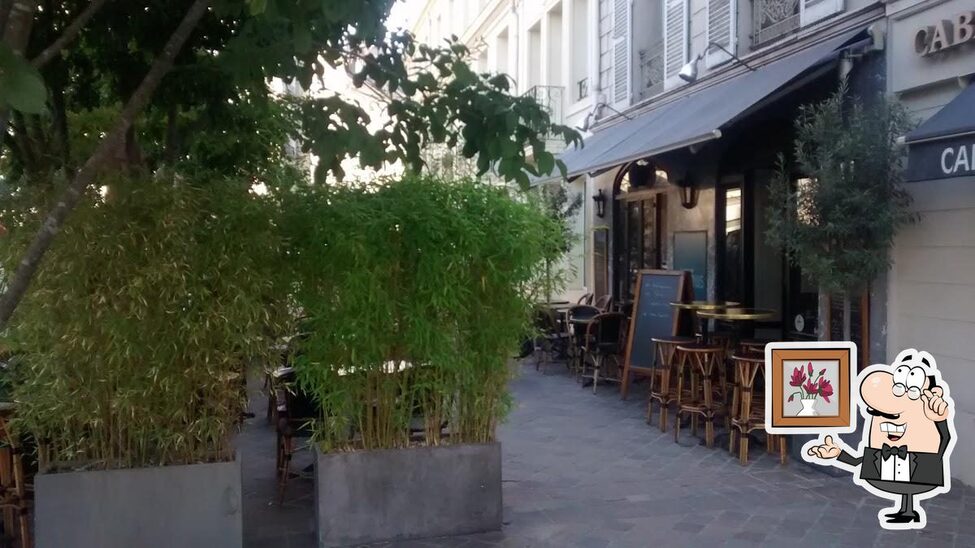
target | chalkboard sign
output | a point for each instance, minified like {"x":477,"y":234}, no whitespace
{"x":652,"y":316}
{"x":859,"y":323}
{"x":691,"y":254}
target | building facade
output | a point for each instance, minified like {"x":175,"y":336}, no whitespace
{"x":931,"y":286}
{"x":687,"y":107}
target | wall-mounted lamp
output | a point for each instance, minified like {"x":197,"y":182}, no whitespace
{"x":587,"y":123}
{"x":688,"y":193}
{"x":600,"y":200}
{"x":688,"y":72}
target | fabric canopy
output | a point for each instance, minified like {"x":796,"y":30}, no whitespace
{"x":697,"y":117}
{"x":955,"y":119}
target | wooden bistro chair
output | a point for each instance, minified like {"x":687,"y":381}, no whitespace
{"x":585,"y":300}
{"x":752,"y":346}
{"x":700,"y":387}
{"x":15,"y":499}
{"x":604,"y":303}
{"x":662,"y":376}
{"x":751,"y":409}
{"x":604,"y":342}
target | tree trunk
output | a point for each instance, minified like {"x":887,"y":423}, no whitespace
{"x":69,"y":199}
{"x":69,"y":34}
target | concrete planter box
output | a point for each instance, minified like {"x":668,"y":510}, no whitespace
{"x":197,"y":505}
{"x":374,"y":496}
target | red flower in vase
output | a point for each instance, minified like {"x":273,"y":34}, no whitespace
{"x":811,"y":387}
{"x":825,"y":389}
{"x":797,"y":377}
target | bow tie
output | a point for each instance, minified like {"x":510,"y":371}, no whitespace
{"x":887,"y":451}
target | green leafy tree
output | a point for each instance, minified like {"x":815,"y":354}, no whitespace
{"x":838,"y":222}
{"x":183,"y":96}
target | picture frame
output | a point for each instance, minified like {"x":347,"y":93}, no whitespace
{"x":810,"y":387}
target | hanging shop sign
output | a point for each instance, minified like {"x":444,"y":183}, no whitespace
{"x":942,"y":159}
{"x":945,"y":34}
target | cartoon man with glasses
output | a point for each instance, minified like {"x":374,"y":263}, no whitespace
{"x":908,"y":439}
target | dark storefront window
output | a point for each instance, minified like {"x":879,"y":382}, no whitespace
{"x":637,"y":227}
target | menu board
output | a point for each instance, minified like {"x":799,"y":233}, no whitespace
{"x":653,"y":315}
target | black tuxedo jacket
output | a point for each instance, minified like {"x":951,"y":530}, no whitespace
{"x":926,"y":468}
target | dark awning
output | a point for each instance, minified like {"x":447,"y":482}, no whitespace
{"x":955,"y":119}
{"x":697,"y":117}
{"x":944,"y":145}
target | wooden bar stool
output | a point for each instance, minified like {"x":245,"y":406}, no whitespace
{"x":751,"y":410}
{"x":752,"y":346}
{"x":704,"y":364}
{"x":661,"y":379}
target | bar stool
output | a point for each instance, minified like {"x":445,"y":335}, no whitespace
{"x":752,"y":346}
{"x":661,"y":381}
{"x":704,"y":365}
{"x":751,"y":411}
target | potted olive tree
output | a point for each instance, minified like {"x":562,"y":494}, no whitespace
{"x":417,"y":293}
{"x":133,"y":343}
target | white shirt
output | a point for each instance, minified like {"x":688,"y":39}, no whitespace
{"x":895,"y":468}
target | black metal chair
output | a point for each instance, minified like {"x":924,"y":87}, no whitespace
{"x":604,"y":341}
{"x":295,"y":412}
{"x":551,"y":337}
{"x":579,"y":318}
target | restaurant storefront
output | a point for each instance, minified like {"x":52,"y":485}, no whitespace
{"x":686,"y":181}
{"x":931,"y":286}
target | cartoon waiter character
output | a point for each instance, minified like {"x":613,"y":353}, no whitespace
{"x":907,"y":439}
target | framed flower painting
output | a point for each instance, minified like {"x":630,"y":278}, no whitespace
{"x":809,"y":387}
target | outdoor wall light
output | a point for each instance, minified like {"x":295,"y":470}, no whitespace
{"x":688,"y":194}
{"x":587,"y":123}
{"x":600,"y":200}
{"x":688,"y":72}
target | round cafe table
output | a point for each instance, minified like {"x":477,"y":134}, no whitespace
{"x":738,"y":317}
{"x":696,"y":307}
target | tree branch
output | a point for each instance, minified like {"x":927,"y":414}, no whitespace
{"x":69,"y":199}
{"x":69,"y":34}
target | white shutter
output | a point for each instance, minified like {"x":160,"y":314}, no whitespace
{"x":722,"y":30}
{"x":811,"y":11}
{"x":675,"y":37}
{"x":621,"y":53}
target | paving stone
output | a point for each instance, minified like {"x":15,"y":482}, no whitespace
{"x":585,"y":470}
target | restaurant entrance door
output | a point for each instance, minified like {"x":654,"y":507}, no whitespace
{"x":638,"y":211}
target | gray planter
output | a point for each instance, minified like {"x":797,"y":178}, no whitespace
{"x":373,"y":496}
{"x":197,"y":505}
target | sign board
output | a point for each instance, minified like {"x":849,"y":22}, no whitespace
{"x":691,"y":254}
{"x":653,"y":316}
{"x":941,"y":159}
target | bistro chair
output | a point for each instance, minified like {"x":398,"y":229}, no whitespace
{"x":604,"y":303}
{"x":662,"y":378}
{"x":752,"y":346}
{"x":751,"y":409}
{"x":578,"y":318}
{"x":551,"y":338}
{"x":703,"y":396}
{"x":604,"y":341}
{"x":585,"y":299}
{"x":294,"y":415}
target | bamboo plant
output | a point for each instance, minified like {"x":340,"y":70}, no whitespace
{"x":435,"y":275}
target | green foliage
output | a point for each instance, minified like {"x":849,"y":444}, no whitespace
{"x":435,"y":273}
{"x":21,"y":85}
{"x":138,"y":327}
{"x":839,"y":223}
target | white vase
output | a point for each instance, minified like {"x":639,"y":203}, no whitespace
{"x":808,"y":409}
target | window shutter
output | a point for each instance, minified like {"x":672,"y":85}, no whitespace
{"x":811,"y":11}
{"x":722,"y":30}
{"x":675,"y":36}
{"x":621,"y":53}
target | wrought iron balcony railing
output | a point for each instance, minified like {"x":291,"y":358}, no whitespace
{"x":550,"y":97}
{"x":773,"y":19}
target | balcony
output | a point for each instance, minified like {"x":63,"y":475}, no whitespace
{"x":651,"y":71}
{"x":551,"y":99}
{"x":772,"y":19}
